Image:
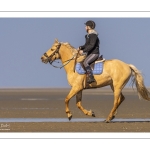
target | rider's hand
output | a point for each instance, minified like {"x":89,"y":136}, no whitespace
{"x":80,"y":52}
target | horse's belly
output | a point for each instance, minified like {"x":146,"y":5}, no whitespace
{"x":101,"y":80}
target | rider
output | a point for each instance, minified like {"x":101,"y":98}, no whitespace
{"x":90,"y":48}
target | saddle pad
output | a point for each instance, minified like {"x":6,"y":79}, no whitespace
{"x":98,"y":68}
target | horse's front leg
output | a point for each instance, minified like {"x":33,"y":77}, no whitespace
{"x":78,"y":103}
{"x":72,"y":93}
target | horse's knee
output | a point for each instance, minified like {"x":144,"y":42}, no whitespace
{"x":66,"y":101}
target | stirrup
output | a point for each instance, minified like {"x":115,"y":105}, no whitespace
{"x":91,"y":80}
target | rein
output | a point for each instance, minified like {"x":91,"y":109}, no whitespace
{"x":68,"y":61}
{"x":51,"y":62}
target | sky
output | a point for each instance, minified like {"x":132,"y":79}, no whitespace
{"x":24,"y":40}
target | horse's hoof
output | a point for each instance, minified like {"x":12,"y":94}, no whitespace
{"x":107,"y":121}
{"x":113,"y":117}
{"x":93,"y":114}
{"x":70,"y":117}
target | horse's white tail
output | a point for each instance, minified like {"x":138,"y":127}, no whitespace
{"x":139,"y":82}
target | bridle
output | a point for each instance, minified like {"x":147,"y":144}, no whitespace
{"x":54,"y":54}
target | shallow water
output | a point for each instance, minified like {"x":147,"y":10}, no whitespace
{"x":72,"y":120}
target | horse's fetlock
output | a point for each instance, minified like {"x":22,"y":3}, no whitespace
{"x":67,"y":111}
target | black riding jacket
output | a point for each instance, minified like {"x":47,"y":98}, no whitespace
{"x":92,"y":43}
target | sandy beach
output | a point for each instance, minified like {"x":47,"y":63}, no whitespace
{"x":49,"y":103}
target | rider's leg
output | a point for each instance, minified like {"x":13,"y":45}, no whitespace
{"x":90,"y":59}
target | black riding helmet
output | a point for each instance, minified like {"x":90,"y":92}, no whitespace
{"x":90,"y":23}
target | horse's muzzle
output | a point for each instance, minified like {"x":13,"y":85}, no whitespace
{"x":44,"y":60}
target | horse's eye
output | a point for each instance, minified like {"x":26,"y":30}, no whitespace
{"x":52,"y":49}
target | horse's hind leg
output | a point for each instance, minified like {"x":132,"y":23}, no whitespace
{"x":120,"y":78}
{"x":118,"y":98}
{"x":78,"y":103}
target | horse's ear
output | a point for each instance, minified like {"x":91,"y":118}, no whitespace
{"x":56,"y":41}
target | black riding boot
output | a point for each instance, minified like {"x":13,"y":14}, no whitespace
{"x":90,"y":75}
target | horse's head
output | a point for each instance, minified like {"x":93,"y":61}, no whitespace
{"x":52,"y":54}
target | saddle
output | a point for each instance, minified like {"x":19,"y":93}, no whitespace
{"x":96,"y":66}
{"x":99,"y":59}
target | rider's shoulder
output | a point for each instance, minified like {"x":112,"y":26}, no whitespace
{"x":92,"y":35}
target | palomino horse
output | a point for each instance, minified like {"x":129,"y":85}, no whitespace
{"x":115,"y":73}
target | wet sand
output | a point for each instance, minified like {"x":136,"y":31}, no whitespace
{"x":49,"y":103}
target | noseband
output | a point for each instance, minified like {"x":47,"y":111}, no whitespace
{"x":57,"y":51}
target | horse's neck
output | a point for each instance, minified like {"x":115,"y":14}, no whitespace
{"x":66,"y":54}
